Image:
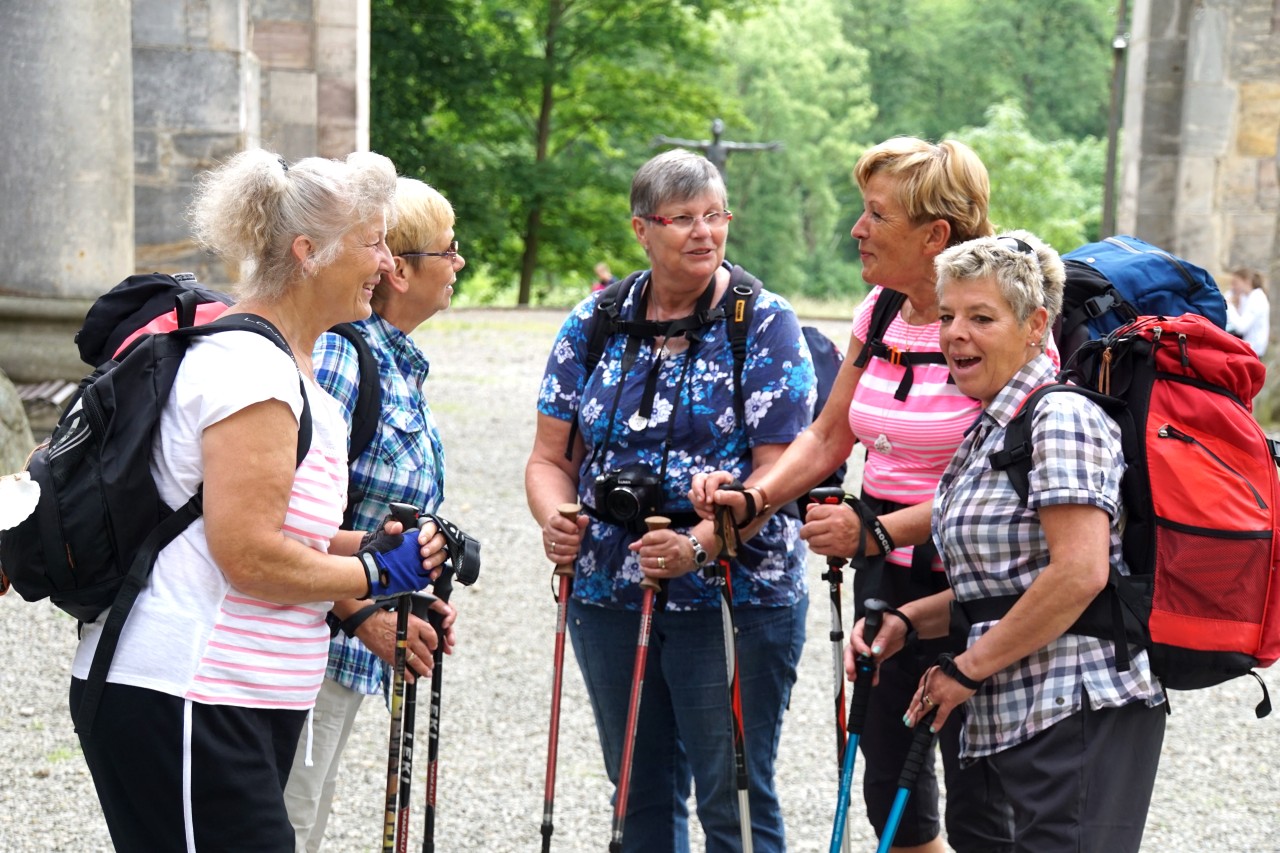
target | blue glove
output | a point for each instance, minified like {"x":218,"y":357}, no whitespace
{"x":393,"y":564}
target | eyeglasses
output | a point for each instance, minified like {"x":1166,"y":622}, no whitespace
{"x":450,"y":253}
{"x":684,"y":222}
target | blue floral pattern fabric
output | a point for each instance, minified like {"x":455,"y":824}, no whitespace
{"x":693,"y":428}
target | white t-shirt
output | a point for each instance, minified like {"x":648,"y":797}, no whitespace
{"x":1252,"y":321}
{"x":190,"y":633}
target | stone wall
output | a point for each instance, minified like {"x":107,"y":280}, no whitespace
{"x":1202,"y":113}
{"x":122,"y":104}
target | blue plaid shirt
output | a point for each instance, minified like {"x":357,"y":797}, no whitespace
{"x":404,"y":461}
{"x":992,"y":545}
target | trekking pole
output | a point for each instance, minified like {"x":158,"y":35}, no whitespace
{"x":391,"y":812}
{"x":650,"y":586}
{"x":865,"y":669}
{"x":834,"y":576}
{"x":565,"y":574}
{"x":442,"y":588}
{"x":727,"y":530}
{"x":921,"y":748}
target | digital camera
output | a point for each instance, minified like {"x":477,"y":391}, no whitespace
{"x":627,"y":496}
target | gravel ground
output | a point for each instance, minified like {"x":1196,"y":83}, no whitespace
{"x":1219,"y":786}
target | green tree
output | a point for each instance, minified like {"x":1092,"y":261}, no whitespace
{"x":1049,"y":188}
{"x":936,"y":65}
{"x":794,"y":205}
{"x":532,"y":115}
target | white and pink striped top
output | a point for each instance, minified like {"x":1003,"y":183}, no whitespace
{"x":920,"y":434}
{"x":191,"y":633}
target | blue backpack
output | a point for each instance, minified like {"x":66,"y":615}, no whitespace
{"x":1118,"y":279}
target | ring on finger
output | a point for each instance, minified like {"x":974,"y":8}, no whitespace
{"x":410,"y":657}
{"x":662,"y":562}
{"x":554,"y":545}
{"x":926,"y":700}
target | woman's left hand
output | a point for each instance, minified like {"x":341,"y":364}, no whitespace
{"x":936,"y":690}
{"x":665,"y":554}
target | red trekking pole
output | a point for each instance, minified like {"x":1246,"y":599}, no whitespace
{"x":650,"y":586}
{"x":722,"y":566}
{"x":565,"y":574}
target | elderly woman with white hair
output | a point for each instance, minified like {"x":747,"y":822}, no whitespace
{"x":1075,"y":742}
{"x":224,"y":651}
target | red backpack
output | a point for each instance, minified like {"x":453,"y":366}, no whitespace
{"x":1202,"y":494}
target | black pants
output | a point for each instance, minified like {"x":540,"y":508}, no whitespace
{"x":1084,"y":784}
{"x":979,"y":818}
{"x":174,"y":775}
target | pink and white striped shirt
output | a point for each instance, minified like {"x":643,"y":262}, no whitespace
{"x":918,"y":436}
{"x":191,"y":633}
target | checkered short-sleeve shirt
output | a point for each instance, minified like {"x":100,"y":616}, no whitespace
{"x":992,"y":545}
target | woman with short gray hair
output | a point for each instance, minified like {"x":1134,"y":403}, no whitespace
{"x":1045,"y":706}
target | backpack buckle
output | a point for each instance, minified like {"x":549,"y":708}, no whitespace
{"x":895,"y":356}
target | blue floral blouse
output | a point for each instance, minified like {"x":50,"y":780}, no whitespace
{"x":694,"y":427}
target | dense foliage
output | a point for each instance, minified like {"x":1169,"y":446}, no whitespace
{"x":532,"y":115}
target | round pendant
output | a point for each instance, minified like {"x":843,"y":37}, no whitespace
{"x":882,"y":443}
{"x":638,"y":422}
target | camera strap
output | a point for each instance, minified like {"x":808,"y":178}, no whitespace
{"x":647,"y":331}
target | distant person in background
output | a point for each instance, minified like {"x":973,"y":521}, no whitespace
{"x":1249,"y":310}
{"x":604,"y":277}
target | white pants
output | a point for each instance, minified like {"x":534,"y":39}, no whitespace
{"x":309,"y":794}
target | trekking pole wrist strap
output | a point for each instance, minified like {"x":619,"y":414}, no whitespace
{"x":947,"y":663}
{"x":911,"y":628}
{"x":871,"y":524}
{"x":352,"y":623}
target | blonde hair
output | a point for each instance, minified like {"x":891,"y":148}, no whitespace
{"x":944,"y":181}
{"x":1027,"y":270}
{"x":422,"y":215}
{"x":252,"y":208}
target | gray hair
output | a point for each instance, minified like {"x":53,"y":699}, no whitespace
{"x":674,"y":176}
{"x":252,"y":208}
{"x":1027,"y":270}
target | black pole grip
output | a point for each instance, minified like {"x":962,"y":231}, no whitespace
{"x":875,"y":610}
{"x":921,"y":748}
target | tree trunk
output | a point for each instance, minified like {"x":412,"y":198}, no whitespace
{"x":533,"y":224}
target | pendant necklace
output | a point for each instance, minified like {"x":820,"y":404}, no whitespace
{"x":882,"y":443}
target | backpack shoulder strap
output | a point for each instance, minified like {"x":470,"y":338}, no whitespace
{"x":744,"y":289}
{"x":888,"y":303}
{"x":262,"y":326}
{"x":367,"y":410}
{"x":602,"y":325}
{"x":1014,"y":458}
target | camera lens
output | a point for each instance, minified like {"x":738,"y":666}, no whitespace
{"x":622,"y":503}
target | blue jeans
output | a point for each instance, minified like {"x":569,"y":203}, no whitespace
{"x":684,"y":731}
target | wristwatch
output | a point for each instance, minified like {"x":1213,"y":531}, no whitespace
{"x":699,"y":553}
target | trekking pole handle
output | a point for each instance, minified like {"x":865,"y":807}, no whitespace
{"x":568,"y":511}
{"x":654,"y":522}
{"x":864,"y":668}
{"x":830,"y":495}
{"x":411,"y":517}
{"x":921,"y":742}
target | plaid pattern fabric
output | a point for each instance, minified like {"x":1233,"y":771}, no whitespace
{"x":992,"y":545}
{"x":404,"y":462}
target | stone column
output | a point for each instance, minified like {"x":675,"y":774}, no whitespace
{"x":66,"y":91}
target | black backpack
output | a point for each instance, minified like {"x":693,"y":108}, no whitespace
{"x":887,"y":305}
{"x":744,"y":288}
{"x":366,"y":414}
{"x":100,"y":523}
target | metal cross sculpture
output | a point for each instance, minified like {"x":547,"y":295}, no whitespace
{"x":717,"y":151}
